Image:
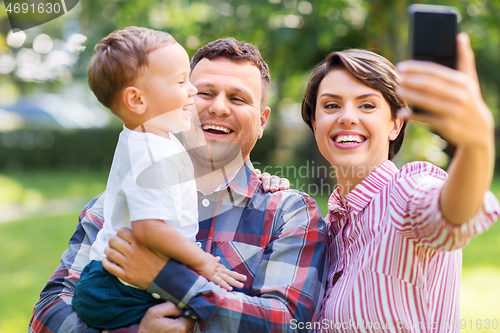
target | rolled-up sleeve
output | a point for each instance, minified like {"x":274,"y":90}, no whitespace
{"x":419,"y":217}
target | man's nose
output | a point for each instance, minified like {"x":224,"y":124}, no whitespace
{"x":219,"y":106}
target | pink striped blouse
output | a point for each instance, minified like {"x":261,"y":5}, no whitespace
{"x":394,"y":261}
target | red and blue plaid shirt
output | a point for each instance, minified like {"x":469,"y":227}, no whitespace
{"x":278,"y":240}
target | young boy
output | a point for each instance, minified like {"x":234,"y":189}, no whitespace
{"x":142,"y":75}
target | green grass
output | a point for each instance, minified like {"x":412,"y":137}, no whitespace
{"x":29,"y":254}
{"x":22,"y":187}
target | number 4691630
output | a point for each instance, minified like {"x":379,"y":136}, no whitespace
{"x":41,"y":8}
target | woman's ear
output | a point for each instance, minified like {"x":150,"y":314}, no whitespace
{"x":313,"y":123}
{"x":397,"y":124}
{"x":134,"y":100}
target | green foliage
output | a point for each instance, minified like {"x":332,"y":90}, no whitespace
{"x":292,"y":35}
{"x":75,"y":149}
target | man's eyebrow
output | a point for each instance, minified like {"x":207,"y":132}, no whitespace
{"x":206,"y":84}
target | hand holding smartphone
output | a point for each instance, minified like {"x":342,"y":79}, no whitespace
{"x":433,"y":31}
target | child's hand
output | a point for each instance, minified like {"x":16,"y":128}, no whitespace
{"x":218,"y":273}
{"x":456,"y":109}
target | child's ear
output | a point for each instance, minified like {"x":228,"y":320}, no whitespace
{"x":134,"y":100}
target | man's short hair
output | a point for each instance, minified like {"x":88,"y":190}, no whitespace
{"x":370,"y":69}
{"x":234,"y":50}
{"x":120,"y":58}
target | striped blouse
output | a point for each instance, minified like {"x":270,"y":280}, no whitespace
{"x":394,"y":261}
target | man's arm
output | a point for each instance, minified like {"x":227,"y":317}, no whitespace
{"x":167,"y":241}
{"x":54,"y":313}
{"x":288,"y":285}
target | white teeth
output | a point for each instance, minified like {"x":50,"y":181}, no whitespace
{"x":217,"y":128}
{"x":349,"y":138}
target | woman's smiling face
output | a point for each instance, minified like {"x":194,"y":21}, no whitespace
{"x":353,"y":123}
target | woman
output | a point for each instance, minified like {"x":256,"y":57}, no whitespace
{"x":395,"y":235}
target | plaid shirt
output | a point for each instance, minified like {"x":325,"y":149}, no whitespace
{"x":277,"y":240}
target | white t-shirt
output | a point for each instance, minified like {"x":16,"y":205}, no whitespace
{"x":151,"y":177}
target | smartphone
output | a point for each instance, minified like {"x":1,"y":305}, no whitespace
{"x":433,"y":31}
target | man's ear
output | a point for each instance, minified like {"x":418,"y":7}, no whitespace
{"x":264,"y":116}
{"x":134,"y":100}
{"x":396,"y":128}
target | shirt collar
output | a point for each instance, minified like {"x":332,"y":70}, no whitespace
{"x":364,"y":192}
{"x":243,"y":181}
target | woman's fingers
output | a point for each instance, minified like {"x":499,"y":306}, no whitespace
{"x":275,"y":183}
{"x":432,"y":87}
{"x":466,"y":61}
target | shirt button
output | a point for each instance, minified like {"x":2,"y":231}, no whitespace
{"x":205,"y":202}
{"x":198,"y":244}
{"x":155,"y":295}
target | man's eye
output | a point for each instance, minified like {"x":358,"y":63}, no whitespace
{"x":205,"y":94}
{"x":237,"y":99}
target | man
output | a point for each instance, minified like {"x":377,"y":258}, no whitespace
{"x":277,"y":240}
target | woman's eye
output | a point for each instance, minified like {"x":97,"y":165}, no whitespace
{"x":367,"y":106}
{"x":330,"y":106}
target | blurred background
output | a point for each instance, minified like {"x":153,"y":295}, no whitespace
{"x":57,"y":142}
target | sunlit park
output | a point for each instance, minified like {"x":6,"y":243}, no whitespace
{"x":57,"y":141}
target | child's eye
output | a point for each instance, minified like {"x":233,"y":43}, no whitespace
{"x":181,"y":82}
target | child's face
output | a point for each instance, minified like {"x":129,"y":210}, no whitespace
{"x":353,"y":123}
{"x":166,"y":88}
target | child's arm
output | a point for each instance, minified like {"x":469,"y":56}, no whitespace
{"x":165,"y":240}
{"x":458,"y":113}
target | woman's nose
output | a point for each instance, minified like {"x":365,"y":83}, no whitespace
{"x":348,"y":116}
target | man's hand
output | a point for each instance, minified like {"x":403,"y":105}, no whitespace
{"x":130,"y":261}
{"x":156,"y":320}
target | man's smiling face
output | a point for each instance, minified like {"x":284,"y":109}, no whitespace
{"x":229,"y":106}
